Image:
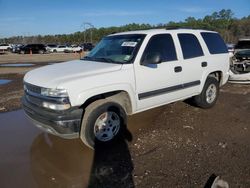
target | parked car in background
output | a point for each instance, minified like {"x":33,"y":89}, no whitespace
{"x":51,"y":47}
{"x":242,"y":44}
{"x":240,"y":62}
{"x":16,"y":48}
{"x":87,"y":46}
{"x":73,"y":48}
{"x":32,"y":48}
{"x":62,"y":48}
{"x":230,"y":48}
{"x":76,"y":48}
{"x":5,"y":47}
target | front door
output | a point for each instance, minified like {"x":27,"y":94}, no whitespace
{"x":158,"y":84}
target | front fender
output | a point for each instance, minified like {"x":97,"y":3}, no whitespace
{"x":87,"y":94}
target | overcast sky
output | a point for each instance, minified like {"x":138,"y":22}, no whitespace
{"x":33,"y":17}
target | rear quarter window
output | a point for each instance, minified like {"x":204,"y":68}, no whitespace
{"x":190,"y":46}
{"x":214,"y":42}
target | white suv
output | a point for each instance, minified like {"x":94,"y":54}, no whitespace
{"x":5,"y":47}
{"x":124,"y":74}
{"x":61,"y":48}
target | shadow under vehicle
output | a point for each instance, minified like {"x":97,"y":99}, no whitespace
{"x":54,"y":166}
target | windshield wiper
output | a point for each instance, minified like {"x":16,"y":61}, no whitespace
{"x":86,"y":58}
{"x":106,"y":60}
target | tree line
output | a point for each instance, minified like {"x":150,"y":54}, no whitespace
{"x":224,"y":22}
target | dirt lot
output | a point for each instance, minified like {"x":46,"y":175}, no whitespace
{"x":176,"y":145}
{"x":36,"y":58}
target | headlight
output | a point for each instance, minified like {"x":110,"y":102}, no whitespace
{"x":61,"y":95}
{"x":54,"y":92}
{"x":54,"y":106}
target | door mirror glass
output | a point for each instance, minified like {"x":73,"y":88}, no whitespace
{"x":152,"y":58}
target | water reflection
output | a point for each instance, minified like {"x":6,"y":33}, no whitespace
{"x":17,"y":65}
{"x":57,"y":162}
{"x":38,"y":159}
{"x":4,"y":81}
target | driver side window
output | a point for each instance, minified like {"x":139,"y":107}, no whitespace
{"x":162,"y":44}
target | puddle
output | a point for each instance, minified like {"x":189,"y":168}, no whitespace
{"x":17,"y":65}
{"x":4,"y":81}
{"x":44,"y":160}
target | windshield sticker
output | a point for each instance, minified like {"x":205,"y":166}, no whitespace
{"x":129,"y":44}
{"x":127,"y":57}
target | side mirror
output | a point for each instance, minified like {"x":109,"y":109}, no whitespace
{"x":152,"y":58}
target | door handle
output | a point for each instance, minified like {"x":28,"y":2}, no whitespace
{"x":178,"y":69}
{"x":204,"y":64}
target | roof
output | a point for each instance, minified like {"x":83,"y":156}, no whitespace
{"x":158,"y":31}
{"x":244,"y":39}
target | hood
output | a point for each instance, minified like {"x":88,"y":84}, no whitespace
{"x":52,"y":75}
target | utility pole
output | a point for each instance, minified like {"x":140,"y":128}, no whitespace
{"x":85,"y":26}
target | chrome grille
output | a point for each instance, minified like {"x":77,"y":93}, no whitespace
{"x":32,"y":88}
{"x":33,"y":100}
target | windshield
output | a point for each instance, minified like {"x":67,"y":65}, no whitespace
{"x":243,"y":53}
{"x":116,"y":49}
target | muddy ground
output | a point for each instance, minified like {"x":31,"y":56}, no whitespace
{"x":176,"y":145}
{"x":10,"y":93}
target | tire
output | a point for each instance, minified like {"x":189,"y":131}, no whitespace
{"x":54,"y":51}
{"x":41,"y":52}
{"x":209,"y":94}
{"x":22,"y":52}
{"x":95,"y":130}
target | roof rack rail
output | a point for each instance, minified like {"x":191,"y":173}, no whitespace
{"x":177,"y":27}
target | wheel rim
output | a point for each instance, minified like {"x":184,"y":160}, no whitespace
{"x":211,"y":93}
{"x":107,"y":126}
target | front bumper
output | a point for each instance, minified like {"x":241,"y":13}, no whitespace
{"x":65,"y":124}
{"x":243,"y":78}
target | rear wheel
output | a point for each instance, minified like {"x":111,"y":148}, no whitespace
{"x":41,"y":52}
{"x":209,"y":94}
{"x":102,"y":123}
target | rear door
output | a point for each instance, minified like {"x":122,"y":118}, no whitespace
{"x":193,"y":62}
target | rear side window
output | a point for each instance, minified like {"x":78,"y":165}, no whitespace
{"x":214,"y":42}
{"x":163,"y":44}
{"x":41,"y":46}
{"x":190,"y":46}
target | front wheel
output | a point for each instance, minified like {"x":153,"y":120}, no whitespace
{"x":103,"y":122}
{"x":209,"y":94}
